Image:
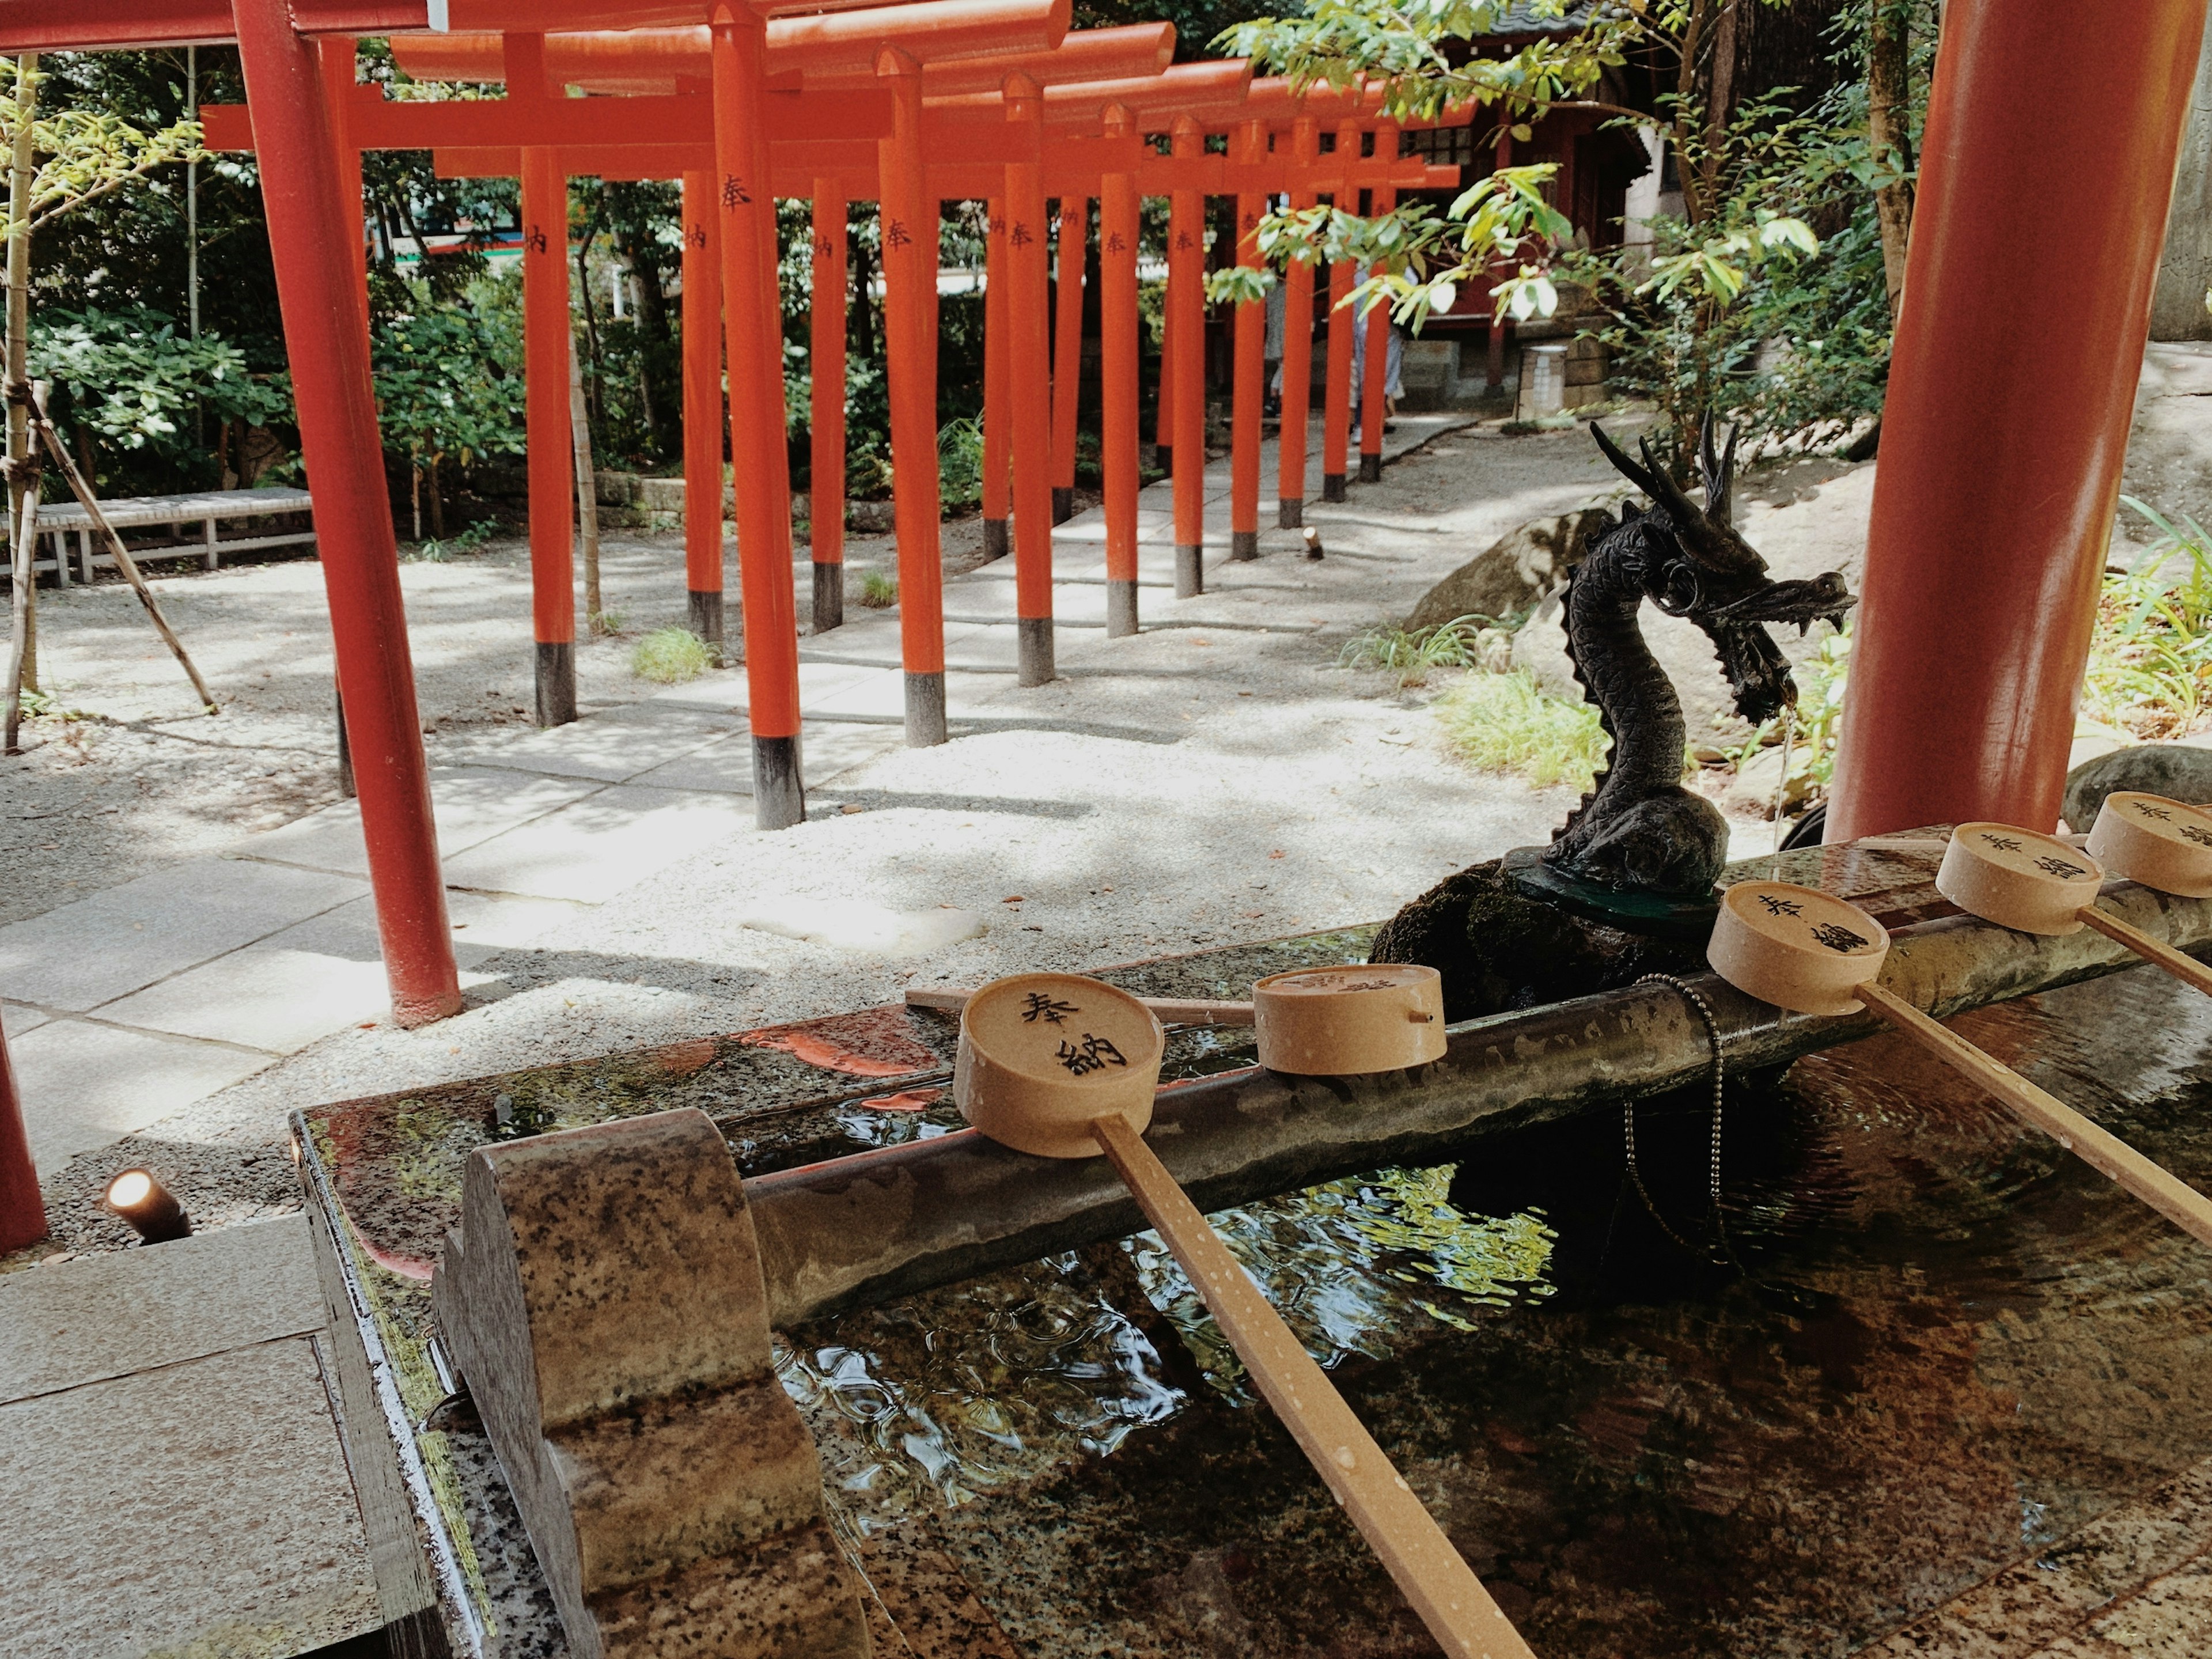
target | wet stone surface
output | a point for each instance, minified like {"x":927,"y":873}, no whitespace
{"x":1926,"y":1347}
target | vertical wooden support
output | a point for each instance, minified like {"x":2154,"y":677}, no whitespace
{"x":1117,"y":363}
{"x":702,"y":406}
{"x":909,"y":242}
{"x":545,"y":349}
{"x":2007,"y":422}
{"x":1187,"y":341}
{"x":1376,"y":322}
{"x":1028,"y":360}
{"x":752,"y":311}
{"x":828,"y":300}
{"x":998,"y":386}
{"x":23,"y":1211}
{"x":1250,"y":389}
{"x":302,"y":196}
{"x":1336,"y":388}
{"x":1297,"y":351}
{"x":1067,"y":350}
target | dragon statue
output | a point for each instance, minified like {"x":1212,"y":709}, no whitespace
{"x":1639,"y":831}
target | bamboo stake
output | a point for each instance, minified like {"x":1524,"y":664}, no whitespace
{"x":123,"y":562}
{"x":22,"y":484}
{"x":587,"y":491}
{"x":2157,"y":952}
{"x":1169,"y":1011}
{"x":1435,"y":1579}
{"x":2103,"y":1152}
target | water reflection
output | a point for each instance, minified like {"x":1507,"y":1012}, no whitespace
{"x":944,"y":1396}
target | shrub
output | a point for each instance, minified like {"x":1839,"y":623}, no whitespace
{"x":877,"y":591}
{"x":669,"y":656}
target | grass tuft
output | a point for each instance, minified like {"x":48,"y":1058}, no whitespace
{"x":1467,"y":641}
{"x":1508,"y":723}
{"x":669,"y":656}
{"x":877,"y":591}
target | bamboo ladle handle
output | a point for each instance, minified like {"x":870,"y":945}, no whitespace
{"x":2171,"y":1197}
{"x":1440,"y":1586}
{"x":2157,"y":952}
{"x":1169,"y":1011}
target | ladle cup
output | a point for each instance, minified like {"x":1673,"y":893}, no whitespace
{"x":1065,"y":1067}
{"x":2036,"y":883}
{"x":1814,"y":953}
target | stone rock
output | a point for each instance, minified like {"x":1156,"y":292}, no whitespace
{"x":1814,"y":527}
{"x":1514,"y":571}
{"x":2179,"y":771}
{"x":1752,"y":789}
{"x":604,"y":1299}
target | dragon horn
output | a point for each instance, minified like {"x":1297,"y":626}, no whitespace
{"x":1663,"y":488}
{"x":1720,"y":473}
{"x":1628,"y":469}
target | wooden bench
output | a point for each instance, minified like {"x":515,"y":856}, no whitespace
{"x":206,"y":508}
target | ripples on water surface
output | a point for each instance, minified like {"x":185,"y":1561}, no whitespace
{"x":1942,"y":1344}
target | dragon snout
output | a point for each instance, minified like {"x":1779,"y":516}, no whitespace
{"x":1801,"y":602}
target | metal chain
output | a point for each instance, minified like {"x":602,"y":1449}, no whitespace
{"x":1704,"y":1010}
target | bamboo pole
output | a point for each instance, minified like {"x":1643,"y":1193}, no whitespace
{"x":83,"y":490}
{"x":23,"y":615}
{"x":1403,"y":1534}
{"x":2103,"y":1152}
{"x":1170,"y":1011}
{"x":588,"y":493}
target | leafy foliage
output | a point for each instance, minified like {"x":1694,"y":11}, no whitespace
{"x":446,"y":384}
{"x":85,"y":152}
{"x":129,"y":381}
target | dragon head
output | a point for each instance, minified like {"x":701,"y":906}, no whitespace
{"x":1707,"y":573}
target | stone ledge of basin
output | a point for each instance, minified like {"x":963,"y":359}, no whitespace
{"x":880,"y":1224}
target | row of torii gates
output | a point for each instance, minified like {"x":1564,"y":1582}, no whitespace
{"x":907,"y":104}
{"x":2006,"y":422}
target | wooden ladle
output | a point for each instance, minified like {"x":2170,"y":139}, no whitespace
{"x":1812,"y":952}
{"x":2037,"y":883}
{"x":1065,"y":1067}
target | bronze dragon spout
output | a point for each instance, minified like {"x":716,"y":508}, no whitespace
{"x":1639,"y":828}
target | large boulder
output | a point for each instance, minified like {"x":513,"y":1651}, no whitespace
{"x":1514,"y":572}
{"x":1803,"y":528}
{"x":2179,"y":771}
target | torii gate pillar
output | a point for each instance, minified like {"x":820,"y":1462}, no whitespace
{"x":2009,"y":397}
{"x":316,"y":281}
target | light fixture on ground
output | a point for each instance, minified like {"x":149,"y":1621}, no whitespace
{"x":151,"y":1209}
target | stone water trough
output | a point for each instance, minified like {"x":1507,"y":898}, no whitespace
{"x":1803,"y":1392}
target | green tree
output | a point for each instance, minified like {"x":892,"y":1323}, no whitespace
{"x":446,"y":391}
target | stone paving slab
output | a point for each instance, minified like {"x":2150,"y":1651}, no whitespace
{"x":202,"y":1509}
{"x":483,"y":925}
{"x":125,"y":938}
{"x":594,"y":849}
{"x":266,"y":996}
{"x":107,"y":1316}
{"x":17,"y":1017}
{"x":609,"y":747}
{"x":86,"y":1085}
{"x":471,"y":804}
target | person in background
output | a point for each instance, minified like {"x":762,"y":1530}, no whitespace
{"x":1272,"y":351}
